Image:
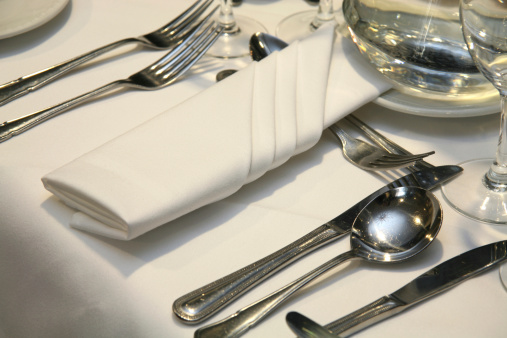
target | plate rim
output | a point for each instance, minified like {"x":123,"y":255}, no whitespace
{"x":59,"y":5}
{"x":463,"y":107}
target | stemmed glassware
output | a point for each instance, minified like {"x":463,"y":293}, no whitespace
{"x":236,"y":35}
{"x":301,"y":24}
{"x":481,"y":191}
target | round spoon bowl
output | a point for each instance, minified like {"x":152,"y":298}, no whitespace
{"x":396,"y":225}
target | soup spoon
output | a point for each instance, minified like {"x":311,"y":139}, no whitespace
{"x":393,"y":227}
{"x":261,"y":45}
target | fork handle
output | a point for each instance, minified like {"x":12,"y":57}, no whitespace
{"x":203,"y":302}
{"x":15,"y":127}
{"x":17,"y":88}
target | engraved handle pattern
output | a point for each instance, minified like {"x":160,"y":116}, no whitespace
{"x":15,"y":127}
{"x":201,"y":303}
{"x":238,"y":323}
{"x":366,"y":316}
{"x":17,"y":88}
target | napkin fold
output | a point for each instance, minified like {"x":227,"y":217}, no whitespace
{"x":209,"y":146}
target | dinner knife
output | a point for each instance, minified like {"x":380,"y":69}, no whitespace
{"x":434,"y":281}
{"x":207,"y":300}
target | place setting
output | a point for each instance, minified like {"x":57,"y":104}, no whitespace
{"x":257,"y":168}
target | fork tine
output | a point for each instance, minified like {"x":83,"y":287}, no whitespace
{"x":172,"y":57}
{"x":390,"y":166}
{"x":395,"y":163}
{"x":187,"y":17}
{"x":404,"y":158}
{"x":384,"y":142}
{"x":379,"y":163}
{"x":197,"y":53}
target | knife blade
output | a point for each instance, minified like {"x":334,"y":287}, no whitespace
{"x":433,"y":282}
{"x":201,"y":303}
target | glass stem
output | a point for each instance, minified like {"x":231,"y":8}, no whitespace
{"x":226,"y":17}
{"x":325,"y":13}
{"x":496,"y":178}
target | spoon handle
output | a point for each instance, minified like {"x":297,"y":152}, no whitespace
{"x":238,"y":323}
{"x":203,"y":302}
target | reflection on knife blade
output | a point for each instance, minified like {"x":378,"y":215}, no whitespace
{"x":207,"y":300}
{"x":431,"y":283}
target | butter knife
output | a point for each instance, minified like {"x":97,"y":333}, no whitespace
{"x":207,"y":300}
{"x":432,"y":282}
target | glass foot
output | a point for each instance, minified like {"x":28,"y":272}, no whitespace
{"x":296,"y":26}
{"x":503,"y":275}
{"x":470,"y":196}
{"x":300,"y":25}
{"x":235,"y":44}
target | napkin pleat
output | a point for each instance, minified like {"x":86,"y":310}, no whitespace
{"x":286,"y":107}
{"x":209,"y":146}
{"x":311,"y":94}
{"x":263,"y":118}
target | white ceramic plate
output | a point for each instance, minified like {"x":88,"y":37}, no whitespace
{"x":430,"y":106}
{"x":20,"y":16}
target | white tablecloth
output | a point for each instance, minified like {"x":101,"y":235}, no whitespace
{"x":56,"y":281}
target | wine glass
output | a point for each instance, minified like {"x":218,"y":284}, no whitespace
{"x":481,"y":190}
{"x":233,"y":42}
{"x":299,"y":25}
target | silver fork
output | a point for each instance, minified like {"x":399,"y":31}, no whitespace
{"x":369,"y":157}
{"x":165,"y":37}
{"x":385,"y":143}
{"x":160,"y":74}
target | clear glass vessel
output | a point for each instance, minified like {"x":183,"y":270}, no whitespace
{"x":418,"y":45}
{"x":481,"y":191}
{"x":302,"y":24}
{"x":234,"y":41}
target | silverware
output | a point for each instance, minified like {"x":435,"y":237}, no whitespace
{"x":304,"y":327}
{"x":394,"y":227}
{"x":370,"y":157}
{"x":160,"y":74}
{"x":384,"y":142}
{"x":263,"y":44}
{"x":165,"y":37}
{"x":431,"y":283}
{"x":209,"y":299}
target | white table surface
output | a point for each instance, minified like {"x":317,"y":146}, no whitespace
{"x":56,"y":281}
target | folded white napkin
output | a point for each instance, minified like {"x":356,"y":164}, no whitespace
{"x":207,"y":147}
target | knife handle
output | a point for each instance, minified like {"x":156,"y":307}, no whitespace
{"x":380,"y":309}
{"x":203,"y":302}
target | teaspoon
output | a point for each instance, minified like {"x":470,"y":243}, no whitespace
{"x":261,"y":45}
{"x":393,"y":227}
